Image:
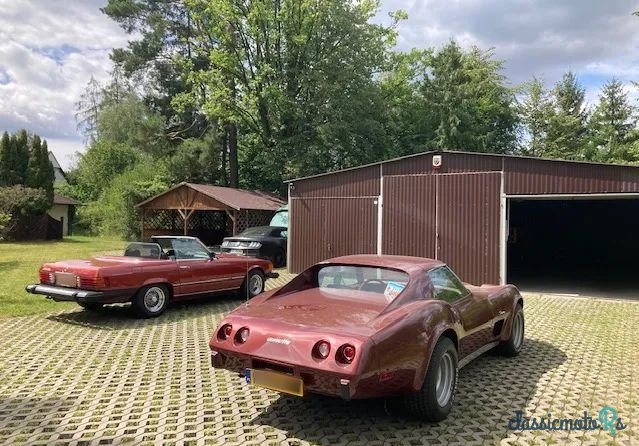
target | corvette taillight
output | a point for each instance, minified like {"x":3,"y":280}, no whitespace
{"x":322,"y":349}
{"x":242,"y":335}
{"x":346,"y":354}
{"x":225,"y":332}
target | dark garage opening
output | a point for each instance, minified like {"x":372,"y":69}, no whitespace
{"x":578,"y":246}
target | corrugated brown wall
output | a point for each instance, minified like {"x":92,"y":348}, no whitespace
{"x":533,"y":176}
{"x":350,"y":183}
{"x":321,"y":228}
{"x":468,"y":224}
{"x":451,"y":163}
{"x":408,"y":222}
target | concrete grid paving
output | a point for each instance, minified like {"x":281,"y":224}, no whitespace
{"x":107,"y":378}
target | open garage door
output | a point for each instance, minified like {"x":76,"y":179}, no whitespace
{"x":581,"y":245}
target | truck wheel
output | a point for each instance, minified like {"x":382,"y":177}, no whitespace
{"x":513,"y":345}
{"x":151,"y":300}
{"x":91,"y":306}
{"x":434,"y":401}
{"x":253,"y":284}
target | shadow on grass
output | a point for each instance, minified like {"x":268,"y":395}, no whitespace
{"x":490,"y":390}
{"x":5,"y":266}
{"x":122,"y":317}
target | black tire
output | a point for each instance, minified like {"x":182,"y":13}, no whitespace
{"x":91,"y":306}
{"x":424,"y":404}
{"x":249,"y":288}
{"x":151,"y":300}
{"x":513,"y":345}
{"x":279,"y":259}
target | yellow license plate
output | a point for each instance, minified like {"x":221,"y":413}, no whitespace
{"x":275,"y":381}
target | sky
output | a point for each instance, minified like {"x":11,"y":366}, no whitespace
{"x":49,"y":49}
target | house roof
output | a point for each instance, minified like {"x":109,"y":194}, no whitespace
{"x":228,"y":197}
{"x":61,"y":199}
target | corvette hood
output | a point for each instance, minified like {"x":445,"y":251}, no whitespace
{"x":343,"y":311}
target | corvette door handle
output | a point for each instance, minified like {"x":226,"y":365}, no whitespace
{"x":184,"y":267}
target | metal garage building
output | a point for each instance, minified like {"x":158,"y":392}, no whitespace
{"x":492,"y":218}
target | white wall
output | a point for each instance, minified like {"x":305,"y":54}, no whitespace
{"x":59,"y":211}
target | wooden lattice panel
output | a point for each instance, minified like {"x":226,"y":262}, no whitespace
{"x":248,"y":219}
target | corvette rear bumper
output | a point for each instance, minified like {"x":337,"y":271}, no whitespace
{"x":315,"y":380}
{"x":61,"y":294}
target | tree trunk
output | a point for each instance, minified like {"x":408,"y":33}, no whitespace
{"x":225,"y":148}
{"x":233,"y":165}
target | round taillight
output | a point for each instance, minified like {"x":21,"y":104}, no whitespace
{"x":242,"y":335}
{"x":322,"y":349}
{"x":347,"y":353}
{"x":225,"y":332}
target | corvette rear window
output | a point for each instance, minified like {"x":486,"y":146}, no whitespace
{"x":382,"y":281}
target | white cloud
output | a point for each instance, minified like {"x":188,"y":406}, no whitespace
{"x":48,"y":52}
{"x":49,"y":49}
{"x":544,"y":38}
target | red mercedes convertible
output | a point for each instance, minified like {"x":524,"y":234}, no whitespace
{"x":149,"y":275}
{"x":370,"y":326}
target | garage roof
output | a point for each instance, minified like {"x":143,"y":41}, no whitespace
{"x":208,"y":197}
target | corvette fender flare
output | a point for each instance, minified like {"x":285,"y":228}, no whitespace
{"x":441,"y":329}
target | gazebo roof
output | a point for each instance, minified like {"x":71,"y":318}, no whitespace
{"x":190,"y":196}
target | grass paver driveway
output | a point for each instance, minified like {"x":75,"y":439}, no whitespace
{"x":76,"y":377}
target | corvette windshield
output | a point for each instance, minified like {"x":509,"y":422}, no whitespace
{"x":381,"y":281}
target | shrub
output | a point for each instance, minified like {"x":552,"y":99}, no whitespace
{"x":114,"y":213}
{"x":23,"y":200}
{"x":4,"y":224}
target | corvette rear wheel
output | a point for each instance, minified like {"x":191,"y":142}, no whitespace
{"x":513,"y":345}
{"x":253,"y":284}
{"x":434,"y":401}
{"x":151,"y":301}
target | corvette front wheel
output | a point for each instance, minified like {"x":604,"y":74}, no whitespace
{"x":151,"y":300}
{"x":434,"y":401}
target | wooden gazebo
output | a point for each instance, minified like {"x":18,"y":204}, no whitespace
{"x":205,"y":211}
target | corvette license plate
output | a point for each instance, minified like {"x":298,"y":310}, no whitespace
{"x":66,"y":279}
{"x":275,"y":381}
{"x":237,"y":251}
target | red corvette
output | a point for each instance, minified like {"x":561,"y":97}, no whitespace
{"x":370,"y":326}
{"x":151,"y":274}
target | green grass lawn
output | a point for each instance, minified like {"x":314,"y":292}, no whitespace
{"x":19,"y":263}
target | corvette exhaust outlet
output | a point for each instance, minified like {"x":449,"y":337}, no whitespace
{"x":345,"y":389}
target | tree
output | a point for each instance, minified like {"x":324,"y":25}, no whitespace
{"x":10,"y":168}
{"x":296,"y":77}
{"x":88,"y":110}
{"x":450,"y":99}
{"x":535,"y":111}
{"x":611,"y":125}
{"x":40,"y":174}
{"x":22,"y":155}
{"x":6,"y":160}
{"x":97,"y":167}
{"x":130,"y":122}
{"x":567,"y":124}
